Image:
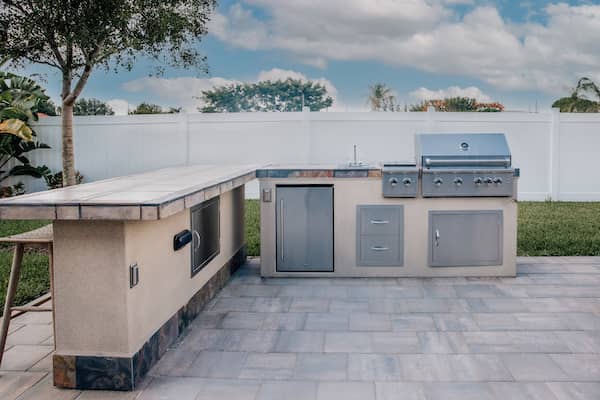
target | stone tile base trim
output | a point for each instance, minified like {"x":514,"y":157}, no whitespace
{"x":125,"y":373}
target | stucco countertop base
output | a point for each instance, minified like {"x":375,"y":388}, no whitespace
{"x":147,"y":196}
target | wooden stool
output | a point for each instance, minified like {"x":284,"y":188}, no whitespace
{"x":42,"y":237}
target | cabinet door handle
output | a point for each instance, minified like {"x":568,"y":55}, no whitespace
{"x":379,"y":222}
{"x":437,"y":238}
{"x":379,"y":248}
{"x":282,"y":228}
{"x":197,"y":236}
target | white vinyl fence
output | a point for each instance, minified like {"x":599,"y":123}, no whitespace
{"x":559,"y":154}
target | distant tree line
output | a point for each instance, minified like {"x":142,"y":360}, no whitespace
{"x":281,"y":95}
{"x":382,"y":98}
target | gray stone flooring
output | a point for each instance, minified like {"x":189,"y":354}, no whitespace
{"x":533,"y":337}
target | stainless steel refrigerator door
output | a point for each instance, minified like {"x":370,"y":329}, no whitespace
{"x":465,"y":238}
{"x":304,"y":228}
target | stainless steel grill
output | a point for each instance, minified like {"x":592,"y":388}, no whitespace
{"x":465,"y":165}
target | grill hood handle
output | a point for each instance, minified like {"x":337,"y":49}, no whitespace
{"x":467,"y":162}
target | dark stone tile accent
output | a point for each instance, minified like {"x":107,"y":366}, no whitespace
{"x":311,"y":173}
{"x":349,"y":173}
{"x":64,"y":371}
{"x":124,"y":373}
{"x":318,"y":173}
{"x":104,"y":373}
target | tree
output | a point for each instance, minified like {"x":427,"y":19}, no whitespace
{"x":282,"y":95}
{"x":78,"y":36}
{"x":458,"y":104}
{"x":91,"y":107}
{"x":148,"y":108}
{"x":584,"y":98}
{"x":381,"y":98}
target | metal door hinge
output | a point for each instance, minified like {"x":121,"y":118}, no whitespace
{"x":134,"y":275}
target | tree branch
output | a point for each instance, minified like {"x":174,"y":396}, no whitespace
{"x":87,"y":71}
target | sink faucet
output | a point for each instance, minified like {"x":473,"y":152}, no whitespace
{"x":355,"y":162}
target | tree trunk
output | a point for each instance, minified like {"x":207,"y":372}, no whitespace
{"x":68,"y":155}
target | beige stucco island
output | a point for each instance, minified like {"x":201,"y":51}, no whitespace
{"x":135,"y":260}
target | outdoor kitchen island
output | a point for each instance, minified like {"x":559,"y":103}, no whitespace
{"x":452,"y":213}
{"x":136,"y":258}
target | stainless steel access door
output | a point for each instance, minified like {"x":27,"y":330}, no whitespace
{"x":465,"y":238}
{"x":304,"y":228}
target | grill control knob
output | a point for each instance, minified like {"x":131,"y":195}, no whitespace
{"x":407,"y":181}
{"x":458,"y":181}
{"x":489,"y":181}
{"x":438,"y":181}
{"x":393,"y":181}
{"x":498,"y":181}
{"x":478,"y":181}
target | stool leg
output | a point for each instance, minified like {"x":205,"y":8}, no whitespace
{"x":15,"y":272}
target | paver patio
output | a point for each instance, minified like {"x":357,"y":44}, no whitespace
{"x":536,"y":336}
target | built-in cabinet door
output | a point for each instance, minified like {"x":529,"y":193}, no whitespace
{"x":465,"y":238}
{"x":206,"y":233}
{"x":304,"y":228}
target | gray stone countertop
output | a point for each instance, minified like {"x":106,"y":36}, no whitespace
{"x":146,"y":196}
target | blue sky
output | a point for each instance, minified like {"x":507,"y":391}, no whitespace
{"x":517,"y":52}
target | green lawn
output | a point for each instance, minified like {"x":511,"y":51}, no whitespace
{"x":34,"y":274}
{"x":253,"y":227}
{"x":545,"y":229}
{"x":559,"y":229}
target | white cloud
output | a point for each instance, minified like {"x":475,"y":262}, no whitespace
{"x":119,"y":106}
{"x":184,"y":91}
{"x":453,"y":91}
{"x":427,"y":35}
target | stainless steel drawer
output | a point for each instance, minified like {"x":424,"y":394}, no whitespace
{"x":380,"y":220}
{"x":380,"y":250}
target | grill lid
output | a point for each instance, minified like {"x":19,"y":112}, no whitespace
{"x":479,"y":150}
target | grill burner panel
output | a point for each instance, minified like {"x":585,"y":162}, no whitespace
{"x":468,"y":183}
{"x":400,"y":180}
{"x":465,"y":165}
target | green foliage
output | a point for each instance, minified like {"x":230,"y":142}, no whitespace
{"x":47,"y":107}
{"x":73,"y":35}
{"x":282,"y":95}
{"x":457,"y":104}
{"x":579,"y":101}
{"x":253,"y":227}
{"x":20,"y":97}
{"x":55,"y":180}
{"x":148,"y":108}
{"x":19,"y":100}
{"x":381,"y":98}
{"x":91,"y":107}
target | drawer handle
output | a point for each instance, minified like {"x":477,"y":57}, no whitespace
{"x":379,"y":248}
{"x":379,"y":222}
